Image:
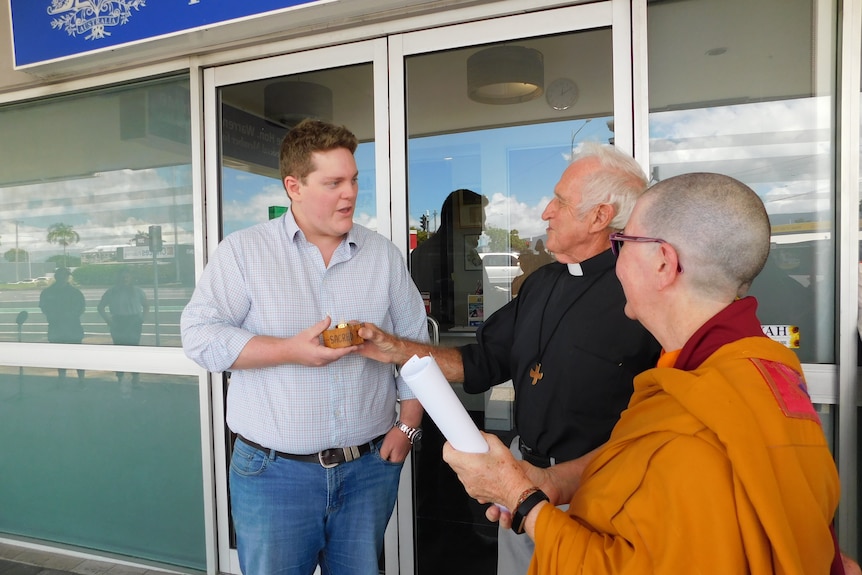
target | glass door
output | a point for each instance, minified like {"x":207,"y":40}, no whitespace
{"x":253,"y":105}
{"x":492,"y":114}
{"x":473,"y":158}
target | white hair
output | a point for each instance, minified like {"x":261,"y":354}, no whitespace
{"x":618,"y":181}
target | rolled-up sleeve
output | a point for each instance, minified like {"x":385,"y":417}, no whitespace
{"x":211,"y":323}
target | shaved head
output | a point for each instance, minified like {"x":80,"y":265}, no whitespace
{"x":718,"y":226}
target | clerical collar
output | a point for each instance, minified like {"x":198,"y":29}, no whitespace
{"x":598,"y":264}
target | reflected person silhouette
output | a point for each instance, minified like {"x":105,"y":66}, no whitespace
{"x":63,"y":305}
{"x":442,"y":266}
{"x":529,"y":263}
{"x":124,"y":307}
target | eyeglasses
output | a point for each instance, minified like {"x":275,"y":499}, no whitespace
{"x":617,"y":240}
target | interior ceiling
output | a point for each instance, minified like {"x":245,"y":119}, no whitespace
{"x":437,"y":97}
{"x":722,"y":51}
{"x":764,"y":47}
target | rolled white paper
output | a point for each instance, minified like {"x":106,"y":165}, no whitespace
{"x":424,"y":377}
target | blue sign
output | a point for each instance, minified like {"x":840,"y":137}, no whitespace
{"x":45,"y":30}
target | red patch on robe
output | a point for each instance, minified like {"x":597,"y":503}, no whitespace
{"x":789,"y":389}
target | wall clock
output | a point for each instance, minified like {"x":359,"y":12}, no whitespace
{"x":561,"y":94}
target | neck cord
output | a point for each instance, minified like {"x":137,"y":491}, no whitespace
{"x":536,"y":372}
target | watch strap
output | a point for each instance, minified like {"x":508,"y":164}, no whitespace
{"x":528,"y":499}
{"x":410,"y":432}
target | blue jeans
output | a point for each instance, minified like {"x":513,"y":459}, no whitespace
{"x":291,"y":515}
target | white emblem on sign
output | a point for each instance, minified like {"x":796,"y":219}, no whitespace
{"x":92,"y":16}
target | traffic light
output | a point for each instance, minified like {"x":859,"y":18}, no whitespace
{"x":155,"y":239}
{"x":423,"y":222}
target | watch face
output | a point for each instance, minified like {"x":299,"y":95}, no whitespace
{"x":418,"y":435}
{"x":562,"y":94}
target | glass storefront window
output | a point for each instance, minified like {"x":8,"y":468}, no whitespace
{"x":98,"y":184}
{"x":96,"y":237}
{"x":735,"y":98}
{"x":480,"y":175}
{"x":101,"y":466}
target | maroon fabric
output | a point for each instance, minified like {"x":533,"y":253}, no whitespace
{"x":736,"y":321}
{"x":837,"y":563}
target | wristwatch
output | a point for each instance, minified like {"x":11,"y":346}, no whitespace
{"x":529,"y":499}
{"x":414,"y":434}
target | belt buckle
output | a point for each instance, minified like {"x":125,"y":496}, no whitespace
{"x":328,"y":458}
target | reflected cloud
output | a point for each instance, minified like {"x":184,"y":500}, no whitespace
{"x":508,"y":212}
{"x":782,"y":149}
{"x":109,"y":208}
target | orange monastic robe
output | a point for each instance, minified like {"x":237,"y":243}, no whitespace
{"x":723,"y":469}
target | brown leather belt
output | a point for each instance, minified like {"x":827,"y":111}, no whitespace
{"x":327,"y":458}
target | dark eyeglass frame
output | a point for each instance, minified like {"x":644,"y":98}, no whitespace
{"x":618,"y":238}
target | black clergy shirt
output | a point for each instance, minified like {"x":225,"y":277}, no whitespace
{"x":589,"y":350}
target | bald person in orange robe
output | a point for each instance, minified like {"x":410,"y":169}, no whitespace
{"x":719,"y":464}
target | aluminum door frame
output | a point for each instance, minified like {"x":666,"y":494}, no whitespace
{"x":363,"y":52}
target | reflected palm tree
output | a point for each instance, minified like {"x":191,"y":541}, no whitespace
{"x":141,"y":239}
{"x":64,"y":235}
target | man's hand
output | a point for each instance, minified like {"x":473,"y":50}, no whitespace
{"x":311,"y":351}
{"x":381,"y":346}
{"x":850,"y":566}
{"x":387,"y":348}
{"x":395,"y":446}
{"x":305,"y":348}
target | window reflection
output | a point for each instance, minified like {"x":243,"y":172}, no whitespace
{"x":479,"y":177}
{"x":727,"y":104}
{"x":486,"y":233}
{"x":113,"y":169}
{"x":256,"y":115}
{"x":125,"y":474}
{"x":250,"y":198}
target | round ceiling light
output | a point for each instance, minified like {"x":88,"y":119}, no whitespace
{"x":505,"y":75}
{"x":289,"y":102}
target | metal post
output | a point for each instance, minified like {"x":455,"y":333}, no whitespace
{"x":20,"y":319}
{"x":17,"y":278}
{"x":155,"y":238}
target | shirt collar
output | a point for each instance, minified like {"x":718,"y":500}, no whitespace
{"x":290,"y":225}
{"x":292,"y":228}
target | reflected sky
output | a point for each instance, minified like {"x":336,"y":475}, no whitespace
{"x":104,"y":209}
{"x":782,"y":149}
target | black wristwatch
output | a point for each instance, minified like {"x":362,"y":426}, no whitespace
{"x":414,"y":434}
{"x":529,"y":499}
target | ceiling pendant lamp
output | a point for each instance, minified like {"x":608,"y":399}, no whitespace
{"x":505,"y":75}
{"x":287,"y":103}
